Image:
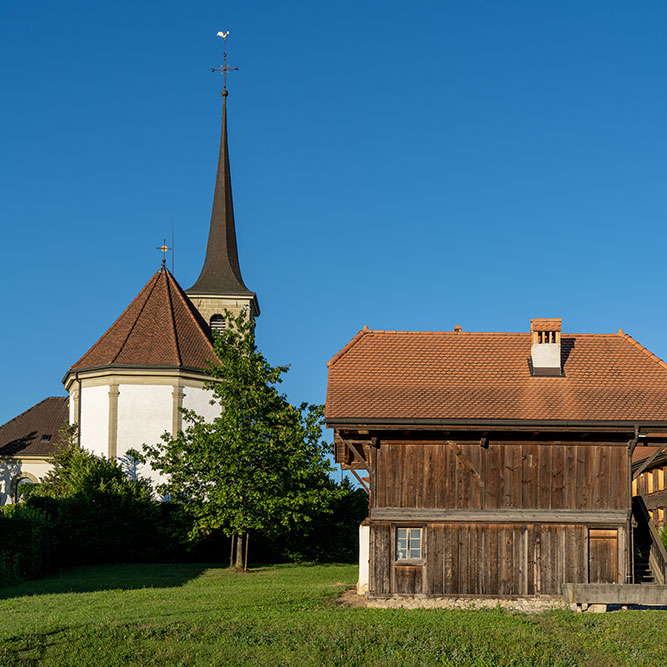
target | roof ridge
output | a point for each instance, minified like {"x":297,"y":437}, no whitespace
{"x":349,"y":345}
{"x":173,"y":323}
{"x":453,"y":333}
{"x":476,"y":333}
{"x":192,"y":311}
{"x":640,"y":347}
{"x":32,"y":407}
{"x":121,"y":347}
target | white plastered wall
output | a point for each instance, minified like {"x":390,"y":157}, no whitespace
{"x":199,"y":400}
{"x":144,"y":413}
{"x":10,"y":469}
{"x":146,"y":407}
{"x":94,"y":425}
{"x":364,"y":555}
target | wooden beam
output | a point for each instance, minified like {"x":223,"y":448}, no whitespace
{"x":361,"y":481}
{"x":355,"y":451}
{"x":597,"y":517}
{"x":633,"y":443}
{"x":458,"y":452}
{"x":655,"y":500}
{"x":648,"y":461}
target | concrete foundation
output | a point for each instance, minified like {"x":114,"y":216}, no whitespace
{"x":616,"y":594}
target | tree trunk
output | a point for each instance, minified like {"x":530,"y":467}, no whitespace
{"x":231,"y":552}
{"x":239,"y":553}
{"x":245,"y":559}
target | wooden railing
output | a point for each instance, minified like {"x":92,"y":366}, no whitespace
{"x":658,"y":554}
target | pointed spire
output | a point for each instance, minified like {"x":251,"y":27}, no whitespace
{"x":221,"y":274}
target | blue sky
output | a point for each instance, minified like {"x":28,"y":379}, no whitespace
{"x":405,"y":165}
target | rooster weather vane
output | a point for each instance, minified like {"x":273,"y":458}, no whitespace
{"x":225,"y":68}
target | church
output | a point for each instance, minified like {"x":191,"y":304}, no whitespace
{"x":129,"y":387}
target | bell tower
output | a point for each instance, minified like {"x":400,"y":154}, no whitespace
{"x":220,"y":285}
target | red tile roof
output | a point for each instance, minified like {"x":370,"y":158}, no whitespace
{"x":35,"y":431}
{"x":403,"y":375}
{"x":159,"y":328}
{"x":545,"y":324}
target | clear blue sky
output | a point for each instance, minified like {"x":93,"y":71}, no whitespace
{"x":410,"y":165}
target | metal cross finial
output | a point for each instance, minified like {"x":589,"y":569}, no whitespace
{"x":225,"y":68}
{"x":164,"y":249}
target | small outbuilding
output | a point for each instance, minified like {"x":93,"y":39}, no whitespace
{"x":496,"y":463}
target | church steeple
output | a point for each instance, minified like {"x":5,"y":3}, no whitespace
{"x":220,"y":285}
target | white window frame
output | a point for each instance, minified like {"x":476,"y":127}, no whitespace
{"x":409,"y":543}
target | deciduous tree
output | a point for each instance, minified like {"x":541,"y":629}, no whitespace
{"x":260,"y":465}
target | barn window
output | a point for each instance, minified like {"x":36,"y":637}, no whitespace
{"x":217,"y":323}
{"x":408,"y":543}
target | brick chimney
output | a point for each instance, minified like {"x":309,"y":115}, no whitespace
{"x":545,"y":346}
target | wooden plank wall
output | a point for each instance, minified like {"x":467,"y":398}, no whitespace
{"x":526,"y":476}
{"x":651,"y":485}
{"x":492,"y":559}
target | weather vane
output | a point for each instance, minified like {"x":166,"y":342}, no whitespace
{"x":224,"y":69}
{"x":164,"y":248}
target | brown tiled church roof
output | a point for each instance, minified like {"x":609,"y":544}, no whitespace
{"x":399,"y":375}
{"x":160,"y":328}
{"x":35,"y":431}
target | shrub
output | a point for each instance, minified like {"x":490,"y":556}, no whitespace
{"x":27,"y":546}
{"x":99,"y":514}
{"x":330,"y":536}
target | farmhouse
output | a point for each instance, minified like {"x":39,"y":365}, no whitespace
{"x":500,"y":463}
{"x":129,"y":388}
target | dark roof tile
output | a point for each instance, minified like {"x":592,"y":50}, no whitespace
{"x":161,"y":327}
{"x":26,"y":434}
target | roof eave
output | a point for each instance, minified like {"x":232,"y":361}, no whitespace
{"x":121,"y":367}
{"x":496,"y":424}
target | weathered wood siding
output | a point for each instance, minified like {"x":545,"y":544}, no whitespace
{"x":651,"y":485}
{"x":497,"y":559}
{"x":502,"y":476}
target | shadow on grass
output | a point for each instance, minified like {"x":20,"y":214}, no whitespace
{"x":92,"y":578}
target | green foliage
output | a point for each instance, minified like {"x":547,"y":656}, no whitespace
{"x":27,"y":543}
{"x":79,"y":472}
{"x":261,"y":465}
{"x":98,"y":513}
{"x":331,"y":536}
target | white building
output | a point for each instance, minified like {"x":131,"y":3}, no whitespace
{"x":129,"y":388}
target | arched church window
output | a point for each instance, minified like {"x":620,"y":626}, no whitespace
{"x":19,"y":482}
{"x":217,"y":323}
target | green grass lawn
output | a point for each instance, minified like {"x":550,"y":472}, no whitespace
{"x":286,"y":615}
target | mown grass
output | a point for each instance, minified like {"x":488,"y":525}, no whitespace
{"x":286,"y":615}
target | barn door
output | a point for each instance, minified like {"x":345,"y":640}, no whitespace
{"x":602,"y":556}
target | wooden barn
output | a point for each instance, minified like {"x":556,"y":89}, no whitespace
{"x":497,"y":463}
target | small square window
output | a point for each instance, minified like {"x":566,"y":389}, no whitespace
{"x":46,"y":437}
{"x":408,"y":543}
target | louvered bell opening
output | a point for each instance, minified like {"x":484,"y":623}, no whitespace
{"x":217,"y":323}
